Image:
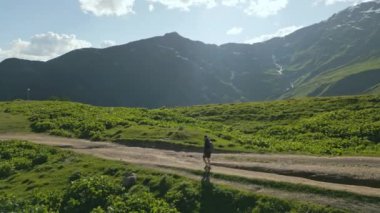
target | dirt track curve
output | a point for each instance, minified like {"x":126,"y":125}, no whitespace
{"x":359,"y":175}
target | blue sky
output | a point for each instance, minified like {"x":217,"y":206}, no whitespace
{"x":44,"y":29}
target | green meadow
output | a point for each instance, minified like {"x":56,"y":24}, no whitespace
{"x":36,"y":178}
{"x":318,"y":126}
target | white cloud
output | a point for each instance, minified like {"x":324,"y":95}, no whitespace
{"x":234,"y":31}
{"x":260,"y":8}
{"x":331,"y":2}
{"x":43,"y":47}
{"x":107,"y":43}
{"x":279,"y":33}
{"x":107,"y":7}
{"x":232,"y":3}
{"x":151,"y":8}
{"x":265,"y":8}
{"x":185,"y":4}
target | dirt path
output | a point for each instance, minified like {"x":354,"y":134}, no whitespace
{"x":362,"y":174}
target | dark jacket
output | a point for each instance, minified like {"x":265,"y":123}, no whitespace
{"x":207,"y":145}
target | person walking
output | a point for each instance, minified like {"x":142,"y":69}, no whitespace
{"x":207,"y":149}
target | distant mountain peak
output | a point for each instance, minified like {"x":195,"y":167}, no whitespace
{"x":173,"y":35}
{"x":15,"y":60}
{"x":172,"y":70}
{"x":363,"y":7}
{"x":357,"y":13}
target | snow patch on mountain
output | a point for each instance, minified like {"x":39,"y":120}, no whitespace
{"x":356,"y":28}
{"x":278,"y":66}
{"x":372,"y":10}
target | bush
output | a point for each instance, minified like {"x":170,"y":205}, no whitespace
{"x":75,"y":176}
{"x":146,"y":202}
{"x":111,"y":171}
{"x":42,"y":126}
{"x":85,"y":194}
{"x":22,"y":163}
{"x":61,"y":133}
{"x":161,"y":185}
{"x":271,"y":205}
{"x":6,"y":155}
{"x":6,"y":169}
{"x":184,"y":196}
{"x":91,"y":130}
{"x":9,"y":203}
{"x":98,"y":210}
{"x":179,"y":135}
{"x":51,"y":201}
{"x":40,"y":159}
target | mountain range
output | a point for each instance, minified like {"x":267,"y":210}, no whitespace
{"x":338,"y":56}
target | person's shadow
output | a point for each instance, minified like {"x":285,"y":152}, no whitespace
{"x":206,"y":175}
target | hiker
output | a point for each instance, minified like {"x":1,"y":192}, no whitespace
{"x":207,"y":149}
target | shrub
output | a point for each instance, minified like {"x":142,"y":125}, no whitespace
{"x":111,"y":171}
{"x":42,"y":126}
{"x":61,"y":132}
{"x":9,"y":203}
{"x":117,"y":204}
{"x":6,"y":169}
{"x":272,"y":205}
{"x":184,"y":196}
{"x":85,"y":194}
{"x":179,"y":135}
{"x":98,"y":210}
{"x":162,"y":185}
{"x":91,"y":129}
{"x":216,"y":199}
{"x":224,"y":136}
{"x":138,"y":189}
{"x":75,"y":176}
{"x":146,"y":202}
{"x":6,"y":155}
{"x":22,"y":163}
{"x":51,"y":200}
{"x":40,"y":159}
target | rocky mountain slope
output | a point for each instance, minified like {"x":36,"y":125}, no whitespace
{"x":339,"y":56}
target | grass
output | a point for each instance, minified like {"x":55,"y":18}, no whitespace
{"x":63,"y":181}
{"x":13,"y":123}
{"x":318,"y":126}
{"x":331,"y":76}
{"x":291,"y":187}
{"x":301,"y":188}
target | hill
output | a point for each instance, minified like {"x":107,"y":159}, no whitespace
{"x":327,"y":126}
{"x":35,"y":178}
{"x":324,"y":59}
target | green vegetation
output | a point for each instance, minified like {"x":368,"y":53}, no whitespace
{"x":332,"y":76}
{"x":36,"y":178}
{"x":298,"y":188}
{"x":323,"y":126}
{"x":13,"y":123}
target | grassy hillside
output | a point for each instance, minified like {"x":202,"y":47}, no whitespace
{"x":321,"y":85}
{"x":14,"y":123}
{"x":329,"y":126}
{"x":35,"y":178}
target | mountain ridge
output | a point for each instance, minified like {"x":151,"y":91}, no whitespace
{"x":171,"y":70}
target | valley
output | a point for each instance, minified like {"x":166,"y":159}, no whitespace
{"x":338,"y":168}
{"x":114,"y":106}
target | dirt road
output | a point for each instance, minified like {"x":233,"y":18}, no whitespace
{"x":359,"y":175}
